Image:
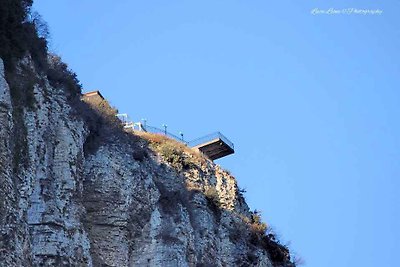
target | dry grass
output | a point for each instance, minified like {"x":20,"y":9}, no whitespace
{"x":253,"y":230}
{"x":256,"y":225}
{"x":262,"y":235}
{"x":254,"y":222}
{"x":104,"y":127}
{"x":171,"y":150}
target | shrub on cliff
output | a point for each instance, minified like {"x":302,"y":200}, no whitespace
{"x":59,"y":75}
{"x":19,"y":34}
{"x":261,"y":235}
{"x":176,"y":154}
{"x":256,"y":224}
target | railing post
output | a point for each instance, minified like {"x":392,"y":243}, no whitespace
{"x":165,"y":129}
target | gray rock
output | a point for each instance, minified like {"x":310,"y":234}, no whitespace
{"x":65,"y":207}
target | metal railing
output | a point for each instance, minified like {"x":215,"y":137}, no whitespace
{"x":156,"y":130}
{"x":146,"y":128}
{"x":210,"y":137}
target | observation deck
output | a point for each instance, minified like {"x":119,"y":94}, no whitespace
{"x":214,"y":145}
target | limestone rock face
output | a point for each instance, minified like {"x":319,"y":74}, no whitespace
{"x":63,"y":206}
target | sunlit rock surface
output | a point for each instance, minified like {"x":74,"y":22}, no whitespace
{"x":111,"y":207}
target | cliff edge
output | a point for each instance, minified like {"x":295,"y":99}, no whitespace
{"x":78,"y":190}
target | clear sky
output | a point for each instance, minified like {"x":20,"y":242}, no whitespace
{"x":312,"y":103}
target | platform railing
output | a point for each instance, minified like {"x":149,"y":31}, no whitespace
{"x":210,"y":137}
{"x":198,"y":141}
{"x":156,"y":130}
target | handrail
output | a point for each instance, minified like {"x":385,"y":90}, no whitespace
{"x":210,"y":137}
{"x":156,"y":130}
{"x":198,"y":141}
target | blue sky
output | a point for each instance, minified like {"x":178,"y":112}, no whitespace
{"x":310,"y":101}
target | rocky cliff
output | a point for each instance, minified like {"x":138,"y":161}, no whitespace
{"x":76,"y":190}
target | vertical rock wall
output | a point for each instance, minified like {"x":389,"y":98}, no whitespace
{"x":110,"y":208}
